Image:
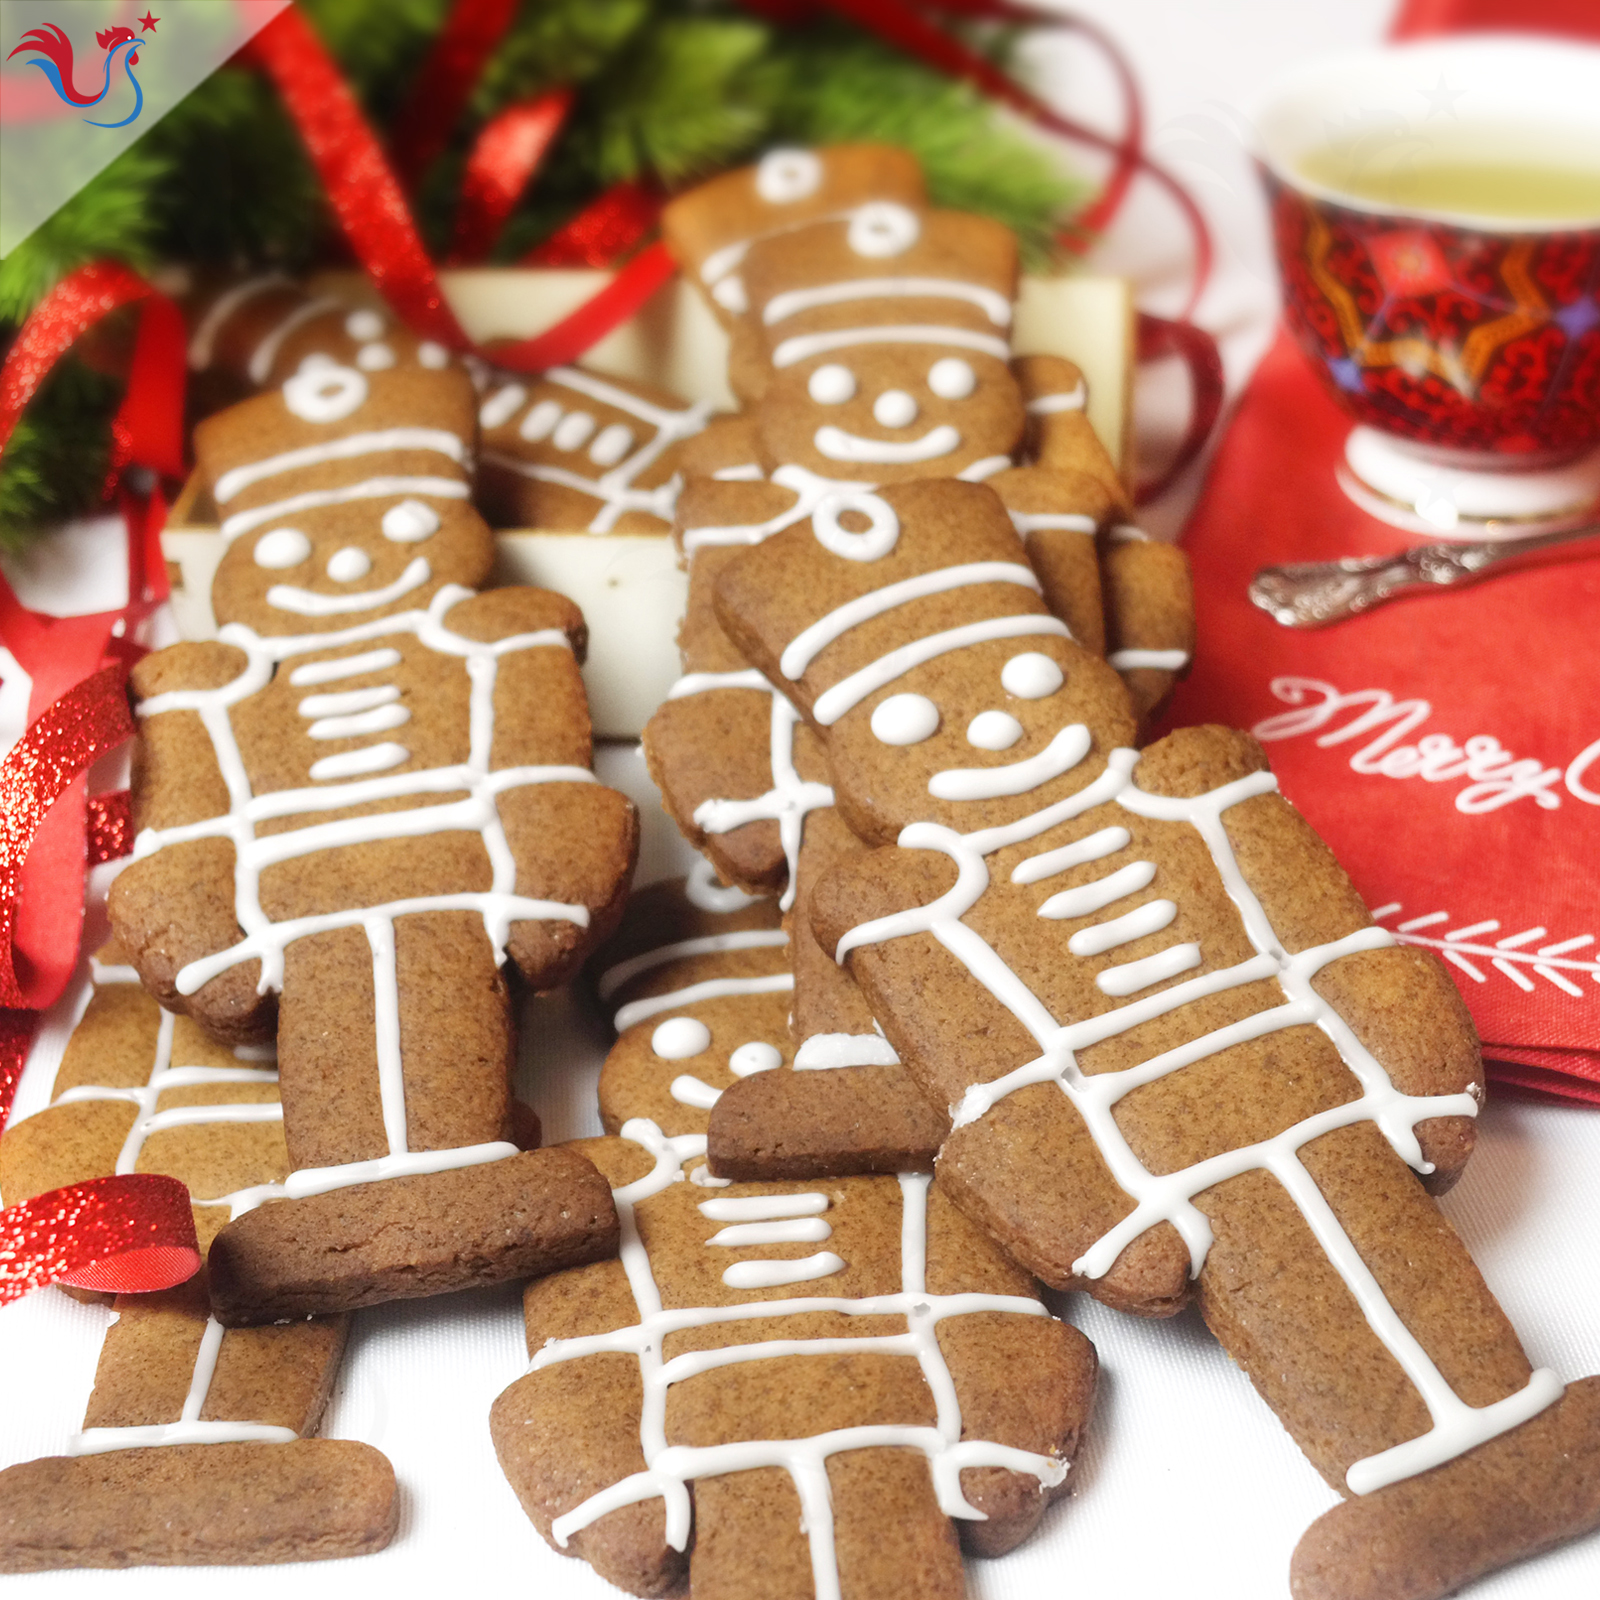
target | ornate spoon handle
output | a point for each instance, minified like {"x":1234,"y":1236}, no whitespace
{"x":1311,"y":594}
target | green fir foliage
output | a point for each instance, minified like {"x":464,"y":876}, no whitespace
{"x":668,"y":91}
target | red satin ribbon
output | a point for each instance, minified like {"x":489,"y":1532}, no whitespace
{"x":507,"y":152}
{"x":603,"y":232}
{"x":119,"y":1235}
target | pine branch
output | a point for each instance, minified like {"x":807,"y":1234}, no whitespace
{"x":54,"y":465}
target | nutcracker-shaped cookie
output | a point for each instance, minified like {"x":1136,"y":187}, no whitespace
{"x":1181,"y":1059}
{"x":196,"y":1446}
{"x":822,"y":1383}
{"x":353,"y":806}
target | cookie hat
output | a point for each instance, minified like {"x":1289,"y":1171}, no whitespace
{"x":1180,"y":1057}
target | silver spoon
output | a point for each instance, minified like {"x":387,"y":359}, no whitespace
{"x":1311,"y":594}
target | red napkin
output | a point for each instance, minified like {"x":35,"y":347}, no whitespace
{"x":1447,"y":746}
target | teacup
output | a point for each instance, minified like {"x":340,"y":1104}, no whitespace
{"x":1436,"y":211}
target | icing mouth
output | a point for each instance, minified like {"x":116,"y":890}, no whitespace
{"x":307,"y":603}
{"x":837,"y":445}
{"x":1062,"y":754}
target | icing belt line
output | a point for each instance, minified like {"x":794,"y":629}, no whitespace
{"x":670,"y":1468}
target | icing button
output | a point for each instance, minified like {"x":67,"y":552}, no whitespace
{"x":678,"y":1038}
{"x":573,"y":430}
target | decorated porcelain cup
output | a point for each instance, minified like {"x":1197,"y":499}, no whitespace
{"x":1436,"y":211}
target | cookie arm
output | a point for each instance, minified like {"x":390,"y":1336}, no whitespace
{"x":1150,"y":633}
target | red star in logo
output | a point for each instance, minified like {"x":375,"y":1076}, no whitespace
{"x":147,"y":23}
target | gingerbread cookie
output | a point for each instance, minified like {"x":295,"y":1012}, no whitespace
{"x":196,"y":1444}
{"x":1179,"y":1055}
{"x":291,"y":842}
{"x":838,"y":1370}
{"x":571,"y":451}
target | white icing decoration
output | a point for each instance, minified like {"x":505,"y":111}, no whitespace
{"x":808,"y":488}
{"x":1133,"y":976}
{"x":1105,"y":842}
{"x":358,"y":763}
{"x":308,"y":603}
{"x":801,"y":1230}
{"x":1126,"y":533}
{"x":349,"y":565}
{"x":1164,"y":660}
{"x":993,"y":730}
{"x":323,"y":391}
{"x":701,"y":1178}
{"x":1151,"y":917}
{"x":849,"y":692}
{"x":363,"y":325}
{"x":786,"y":175}
{"x":1026,"y":522}
{"x":1062,"y":754}
{"x":873,"y":542}
{"x":1031,"y":676}
{"x":704,"y":891}
{"x":331,"y":671}
{"x":746,"y":472}
{"x":689,"y":1090}
{"x":754,"y":1056}
{"x":540,"y":421}
{"x":436,"y":440}
{"x":342,"y":704}
{"x":380,"y":720}
{"x":432,"y":355}
{"x":611,"y":445}
{"x":668,"y":1469}
{"x":773,"y":1274}
{"x":905,"y":719}
{"x":265,"y":940}
{"x":678,"y":1038}
{"x":573,"y":430}
{"x":1096,"y":896}
{"x":882,"y":228}
{"x":984,"y":468}
{"x":791,"y":302}
{"x":1047,"y":405}
{"x":802,"y":346}
{"x":615,"y":488}
{"x":951,"y":378}
{"x":823,"y":1052}
{"x":838,"y":445}
{"x":375,"y":357}
{"x":202,"y":343}
{"x":613,"y":978}
{"x":283,"y":547}
{"x":731,"y":296}
{"x":410,"y":522}
{"x":266,"y":352}
{"x":831,"y":385}
{"x":712,"y":989}
{"x":894,"y":408}
{"x":806,"y":645}
{"x":502,"y":405}
{"x":367,"y":489}
{"x":764,"y":1207}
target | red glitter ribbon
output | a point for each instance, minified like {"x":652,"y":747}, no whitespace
{"x":509,"y":149}
{"x":603,"y":232}
{"x":119,"y":1235}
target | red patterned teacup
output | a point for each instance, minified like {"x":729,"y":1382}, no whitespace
{"x":1455,"y":319}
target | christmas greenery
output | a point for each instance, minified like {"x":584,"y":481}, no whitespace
{"x":667,"y":91}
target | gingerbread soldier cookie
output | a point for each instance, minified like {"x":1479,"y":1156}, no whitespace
{"x":371,"y":790}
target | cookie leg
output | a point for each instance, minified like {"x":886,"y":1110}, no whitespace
{"x":1149,"y":615}
{"x":394,"y":1044}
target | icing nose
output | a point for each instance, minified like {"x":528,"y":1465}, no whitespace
{"x":894,"y":408}
{"x":349,"y":564}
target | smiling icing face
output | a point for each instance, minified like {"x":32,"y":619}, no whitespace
{"x":353,"y":499}
{"x":888,"y":332}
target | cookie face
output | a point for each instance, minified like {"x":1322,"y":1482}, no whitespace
{"x":366,"y":798}
{"x":571,"y":451}
{"x":185,"y":1416}
{"x":687,"y":1364}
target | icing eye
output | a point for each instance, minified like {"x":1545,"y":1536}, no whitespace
{"x":754,"y":1057}
{"x":994,"y":730}
{"x":905,"y":719}
{"x":323,"y":391}
{"x":678,"y":1038}
{"x":374,"y":357}
{"x":882,"y":228}
{"x":363,"y":325}
{"x":611,"y":446}
{"x":283,"y":547}
{"x":502,"y":405}
{"x":876,"y":540}
{"x":832,"y":385}
{"x":952,"y":378}
{"x":432,"y":355}
{"x":345,"y":566}
{"x":573,"y":430}
{"x":410,"y":522}
{"x":538,"y":422}
{"x":785,"y":176}
{"x":894,"y":408}
{"x":1031,"y":676}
